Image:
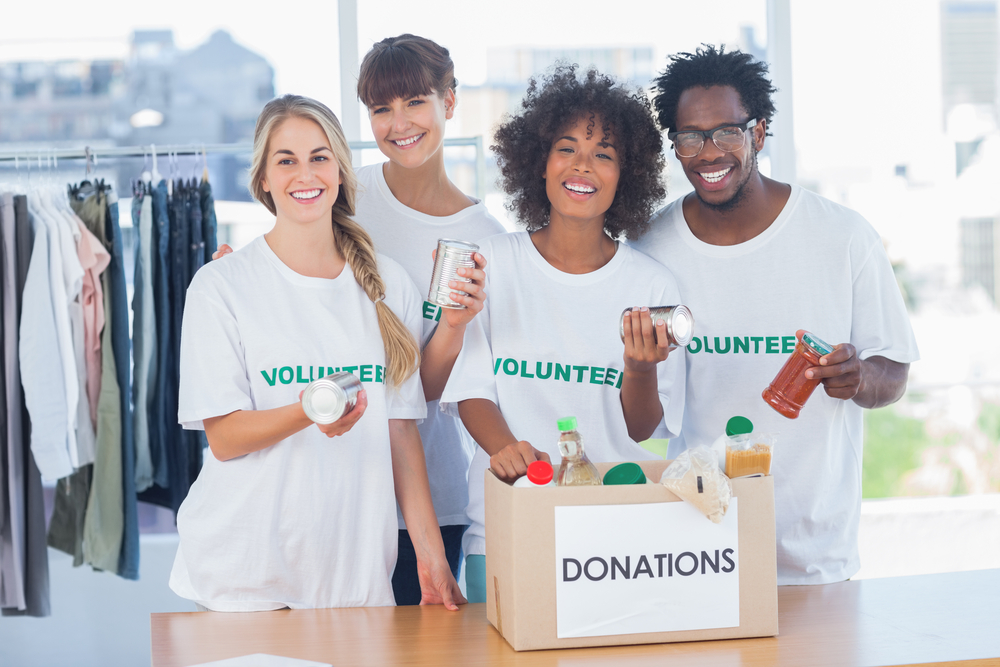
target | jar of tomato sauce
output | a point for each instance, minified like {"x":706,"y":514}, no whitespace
{"x":790,"y":388}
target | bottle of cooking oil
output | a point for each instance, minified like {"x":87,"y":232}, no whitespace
{"x":575,"y":469}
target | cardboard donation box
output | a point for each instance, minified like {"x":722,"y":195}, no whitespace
{"x":605,"y":565}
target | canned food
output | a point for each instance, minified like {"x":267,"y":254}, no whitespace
{"x":679,"y":321}
{"x":451,"y":256}
{"x":328,"y":399}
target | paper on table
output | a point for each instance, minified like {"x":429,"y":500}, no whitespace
{"x":263,"y":660}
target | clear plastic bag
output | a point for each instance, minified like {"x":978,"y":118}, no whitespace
{"x":695,"y":477}
{"x":750,"y":454}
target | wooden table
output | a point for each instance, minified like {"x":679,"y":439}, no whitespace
{"x":940,"y":619}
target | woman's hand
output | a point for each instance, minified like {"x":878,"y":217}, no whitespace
{"x":223,"y":250}
{"x":347,"y":422}
{"x":512,"y":461}
{"x":438,"y":585}
{"x":413,"y":493}
{"x":642,"y":351}
{"x":457,"y":318}
{"x":640,"y":400}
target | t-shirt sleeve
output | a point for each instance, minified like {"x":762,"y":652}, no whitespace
{"x":213,"y":374}
{"x":407,"y":400}
{"x":472,"y":375}
{"x":880,"y":324}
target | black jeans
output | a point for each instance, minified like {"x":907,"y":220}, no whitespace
{"x":405,"y":584}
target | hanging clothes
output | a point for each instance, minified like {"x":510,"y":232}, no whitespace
{"x":40,"y":353}
{"x":144,"y":336}
{"x":66,"y":365}
{"x":104,"y":524}
{"x":73,"y":492}
{"x":25,"y":591}
{"x":209,"y":222}
{"x":128,"y":564}
{"x":165,"y":384}
{"x":186,"y":232}
{"x":12,"y":472}
{"x":69,"y":317}
{"x":95,"y":518}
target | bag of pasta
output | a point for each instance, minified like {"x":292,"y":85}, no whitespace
{"x":695,"y":477}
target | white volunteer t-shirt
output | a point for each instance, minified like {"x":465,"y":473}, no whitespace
{"x":310,"y":521}
{"x":409,"y":236}
{"x":547,"y":345}
{"x":819,"y":267}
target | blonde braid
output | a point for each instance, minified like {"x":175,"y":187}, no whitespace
{"x":401,"y":351}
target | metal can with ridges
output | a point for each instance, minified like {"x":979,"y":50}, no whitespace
{"x":451,"y":256}
{"x":328,"y":399}
{"x":679,"y":321}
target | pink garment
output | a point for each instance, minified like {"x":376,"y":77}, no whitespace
{"x":94,"y":258}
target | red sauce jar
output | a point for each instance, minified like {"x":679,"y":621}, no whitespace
{"x":790,"y":388}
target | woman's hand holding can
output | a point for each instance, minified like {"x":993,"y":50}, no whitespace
{"x":469,"y":294}
{"x":643,"y":348}
{"x":347,"y":422}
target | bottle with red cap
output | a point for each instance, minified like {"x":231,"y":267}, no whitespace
{"x":539,"y":474}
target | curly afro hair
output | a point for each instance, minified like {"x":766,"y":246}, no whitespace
{"x":708,"y":67}
{"x":553,"y":102}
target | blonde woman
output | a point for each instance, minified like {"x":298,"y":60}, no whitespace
{"x":285,"y":514}
{"x":406,"y":204}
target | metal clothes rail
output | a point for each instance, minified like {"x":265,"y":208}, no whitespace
{"x":31,"y":155}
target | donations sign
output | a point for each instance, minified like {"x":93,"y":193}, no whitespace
{"x":657,"y":567}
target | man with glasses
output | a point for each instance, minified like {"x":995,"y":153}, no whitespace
{"x":758,"y":261}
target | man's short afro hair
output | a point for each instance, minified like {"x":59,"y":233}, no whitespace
{"x":554,"y":101}
{"x":708,"y":67}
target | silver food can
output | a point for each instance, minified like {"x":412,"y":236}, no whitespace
{"x":328,"y":399}
{"x":679,"y":321}
{"x":451,"y":256}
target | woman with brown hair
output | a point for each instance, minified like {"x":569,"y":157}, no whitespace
{"x":407,"y":203}
{"x":281,"y":515}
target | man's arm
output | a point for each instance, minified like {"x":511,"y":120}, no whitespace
{"x":873,"y":383}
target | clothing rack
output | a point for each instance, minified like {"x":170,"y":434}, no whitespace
{"x":90,"y":154}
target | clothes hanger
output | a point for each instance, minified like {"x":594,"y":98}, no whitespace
{"x":170,"y":175}
{"x":146,"y":177}
{"x":156,"y":172}
{"x":86,"y":187}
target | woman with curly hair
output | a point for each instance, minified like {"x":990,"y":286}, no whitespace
{"x":581,"y":162}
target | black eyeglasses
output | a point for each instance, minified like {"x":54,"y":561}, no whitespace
{"x":729,"y":138}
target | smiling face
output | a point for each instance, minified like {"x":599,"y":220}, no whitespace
{"x":582,"y":171}
{"x":410,"y":130}
{"x":721,"y":180}
{"x":302,"y":175}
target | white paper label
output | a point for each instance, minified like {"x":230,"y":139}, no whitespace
{"x":657,"y":567}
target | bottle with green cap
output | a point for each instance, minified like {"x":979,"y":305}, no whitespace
{"x":575,"y":469}
{"x":736,"y":426}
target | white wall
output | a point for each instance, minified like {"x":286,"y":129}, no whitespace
{"x":98,"y":619}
